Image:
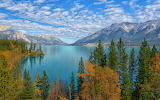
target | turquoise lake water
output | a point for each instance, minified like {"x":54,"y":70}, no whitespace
{"x":60,"y":61}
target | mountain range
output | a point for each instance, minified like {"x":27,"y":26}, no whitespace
{"x":131,"y":33}
{"x":9,"y":33}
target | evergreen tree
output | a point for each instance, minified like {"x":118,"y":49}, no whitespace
{"x":144,"y":63}
{"x":28,"y":91}
{"x":37,"y":84}
{"x":91,"y":58}
{"x":72,"y":87}
{"x":44,"y":85}
{"x":132,"y":65}
{"x":153,"y":51}
{"x":146,"y":93}
{"x":104,"y":61}
{"x":34,"y":47}
{"x":81,"y":69}
{"x":112,"y":56}
{"x":31,"y":47}
{"x":37,"y":80}
{"x":40,"y":48}
{"x":98,"y":54}
{"x":123,"y":71}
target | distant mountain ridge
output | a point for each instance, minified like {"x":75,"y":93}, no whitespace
{"x":131,"y":33}
{"x":9,"y":33}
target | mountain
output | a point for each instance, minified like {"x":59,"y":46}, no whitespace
{"x":131,"y":33}
{"x":9,"y":33}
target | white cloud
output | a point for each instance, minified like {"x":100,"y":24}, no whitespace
{"x":2,"y":15}
{"x":5,"y":3}
{"x":125,"y":2}
{"x":149,"y":12}
{"x":58,"y":9}
{"x":76,"y":20}
{"x":77,"y":7}
{"x":39,"y":1}
{"x":21,"y":7}
{"x":45,"y":8}
{"x":103,"y":2}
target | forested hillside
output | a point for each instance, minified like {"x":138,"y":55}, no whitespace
{"x":112,"y":76}
{"x":11,"y":54}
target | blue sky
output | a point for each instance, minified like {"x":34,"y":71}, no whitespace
{"x":71,"y":20}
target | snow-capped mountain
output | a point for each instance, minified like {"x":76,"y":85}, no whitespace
{"x":9,"y":33}
{"x":131,"y":33}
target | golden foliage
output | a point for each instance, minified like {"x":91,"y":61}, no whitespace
{"x":100,"y":84}
{"x":155,"y":72}
{"x":57,"y":91}
{"x":11,"y":81}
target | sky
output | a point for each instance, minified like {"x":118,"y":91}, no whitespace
{"x":71,"y":20}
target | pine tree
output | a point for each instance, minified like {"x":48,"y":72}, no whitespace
{"x":146,"y":93}
{"x":40,"y":48}
{"x":81,"y":69}
{"x":4,"y":80}
{"x":123,"y":71}
{"x":37,"y":84}
{"x":112,"y":56}
{"x":34,"y":47}
{"x":104,"y":61}
{"x":31,"y":47}
{"x":132,"y":65}
{"x":153,"y":51}
{"x":28,"y":91}
{"x":91,"y":58}
{"x":44,"y":85}
{"x":98,"y":54}
{"x":72,"y":87}
{"x":144,"y":63}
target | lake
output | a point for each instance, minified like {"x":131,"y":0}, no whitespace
{"x":60,"y":61}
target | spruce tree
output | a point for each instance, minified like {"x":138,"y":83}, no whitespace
{"x":98,"y":54}
{"x":104,"y":60}
{"x":153,"y":51}
{"x":91,"y":58}
{"x":34,"y":46}
{"x":146,"y":93}
{"x":44,"y":85}
{"x":112,"y":56}
{"x":123,"y":71}
{"x":37,"y":84}
{"x":132,"y":65}
{"x":28,"y":91}
{"x":81,"y":69}
{"x":31,"y":47}
{"x":72,"y":87}
{"x":144,"y":63}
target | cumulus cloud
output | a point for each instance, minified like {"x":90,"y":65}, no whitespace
{"x":103,"y":2}
{"x":21,"y":7}
{"x":149,"y":12}
{"x":2,"y":15}
{"x":125,"y":2}
{"x":39,"y":1}
{"x":77,"y":19}
{"x":77,"y":7}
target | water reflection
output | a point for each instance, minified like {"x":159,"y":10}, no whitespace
{"x":60,"y":61}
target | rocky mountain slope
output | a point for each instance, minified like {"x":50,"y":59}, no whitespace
{"x":9,"y":33}
{"x":132,"y":33}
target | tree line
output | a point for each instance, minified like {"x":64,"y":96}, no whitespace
{"x":112,"y":76}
